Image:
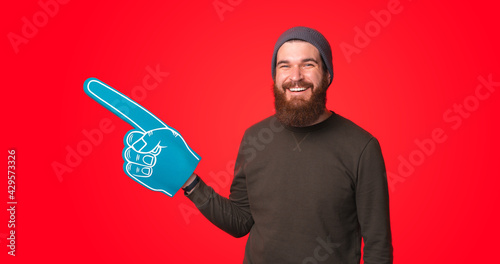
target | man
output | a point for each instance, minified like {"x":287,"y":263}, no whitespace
{"x":312,"y":190}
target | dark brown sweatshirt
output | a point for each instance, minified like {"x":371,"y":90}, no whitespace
{"x":305,"y":195}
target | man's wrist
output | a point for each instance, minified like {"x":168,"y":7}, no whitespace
{"x":189,"y":180}
{"x":191,"y":184}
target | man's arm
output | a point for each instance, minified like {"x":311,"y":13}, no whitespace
{"x":372,"y":201}
{"x":231,"y":215}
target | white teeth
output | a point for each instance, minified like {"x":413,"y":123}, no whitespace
{"x":297,"y":89}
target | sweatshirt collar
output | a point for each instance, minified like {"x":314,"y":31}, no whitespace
{"x":314,"y":127}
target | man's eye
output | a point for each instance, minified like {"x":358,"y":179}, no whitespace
{"x":285,"y":66}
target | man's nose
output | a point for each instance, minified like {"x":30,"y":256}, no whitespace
{"x":296,"y":74}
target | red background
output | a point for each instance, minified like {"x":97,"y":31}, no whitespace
{"x":398,"y":87}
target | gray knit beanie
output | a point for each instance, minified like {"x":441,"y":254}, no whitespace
{"x":309,"y":35}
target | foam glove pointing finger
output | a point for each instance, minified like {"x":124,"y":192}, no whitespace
{"x":155,"y":155}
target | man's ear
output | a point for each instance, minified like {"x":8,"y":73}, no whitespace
{"x":329,"y":78}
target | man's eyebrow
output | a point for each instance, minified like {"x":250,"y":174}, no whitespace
{"x":282,"y":62}
{"x":310,"y":59}
{"x":304,"y":60}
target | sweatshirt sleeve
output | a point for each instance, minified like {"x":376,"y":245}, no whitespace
{"x":231,"y":215}
{"x":372,"y":202}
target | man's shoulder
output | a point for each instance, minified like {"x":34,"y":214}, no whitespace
{"x":339,"y":125}
{"x":346,"y":126}
{"x":268,"y":124}
{"x":345,"y":132}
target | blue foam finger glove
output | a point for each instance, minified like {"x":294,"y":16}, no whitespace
{"x":155,"y":154}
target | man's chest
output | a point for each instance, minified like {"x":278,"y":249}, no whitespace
{"x":301,"y":171}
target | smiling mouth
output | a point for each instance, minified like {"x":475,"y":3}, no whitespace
{"x":297,"y":89}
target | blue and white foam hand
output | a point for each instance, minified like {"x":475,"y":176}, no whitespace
{"x":155,"y":154}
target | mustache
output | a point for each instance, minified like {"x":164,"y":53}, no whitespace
{"x":301,"y":83}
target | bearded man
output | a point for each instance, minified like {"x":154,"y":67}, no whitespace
{"x":308,"y":185}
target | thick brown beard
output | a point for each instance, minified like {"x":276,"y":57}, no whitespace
{"x":300,"y":112}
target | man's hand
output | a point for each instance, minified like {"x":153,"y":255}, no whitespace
{"x":158,"y":159}
{"x":155,"y":154}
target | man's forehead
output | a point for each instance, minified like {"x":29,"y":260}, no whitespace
{"x":297,"y":49}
